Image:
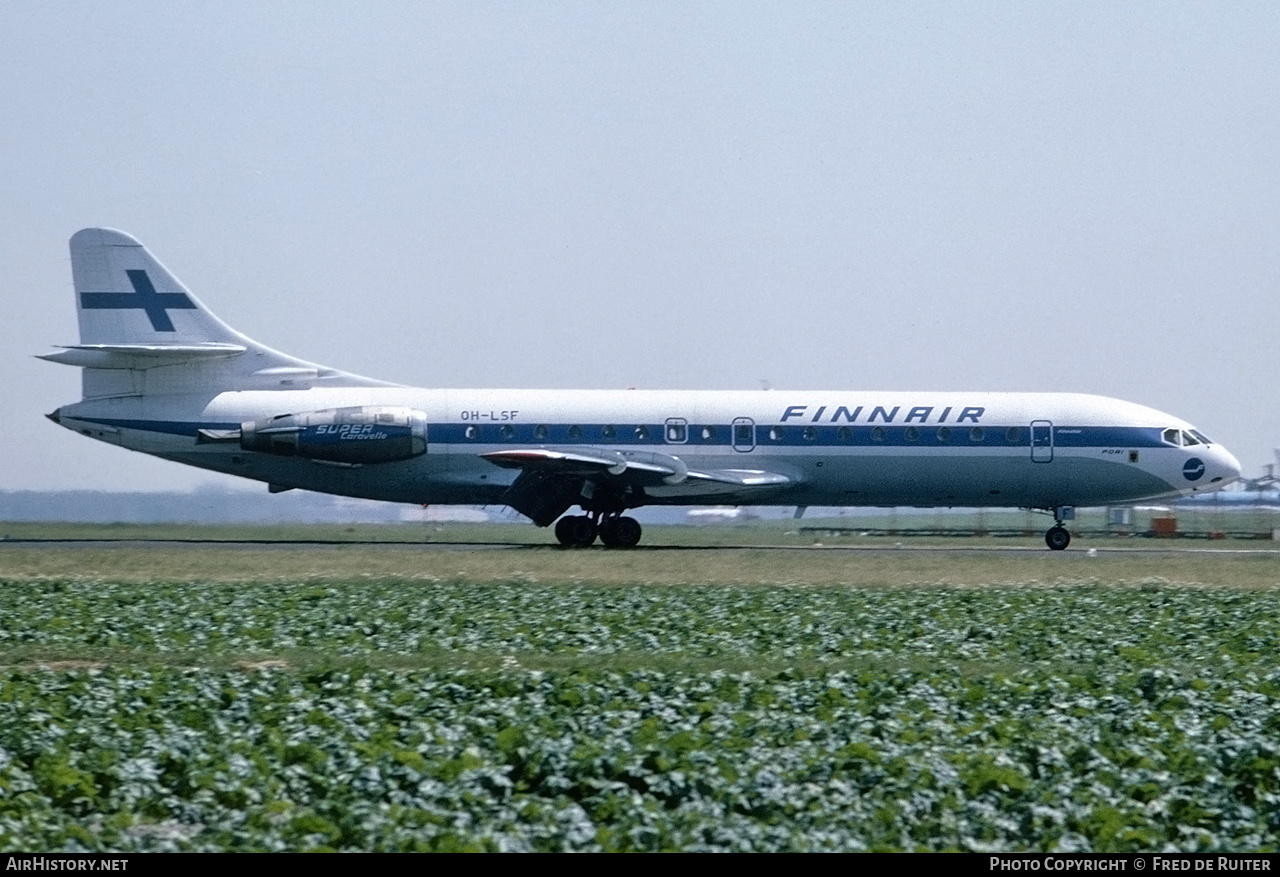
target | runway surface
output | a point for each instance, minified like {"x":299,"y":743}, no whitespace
{"x":898,"y":548}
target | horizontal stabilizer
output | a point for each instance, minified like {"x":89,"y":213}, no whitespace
{"x":140,"y":356}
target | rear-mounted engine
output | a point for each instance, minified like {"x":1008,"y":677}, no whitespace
{"x":367,"y":434}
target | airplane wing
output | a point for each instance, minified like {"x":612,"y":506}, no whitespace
{"x":553,"y":479}
{"x":634,"y":467}
{"x":740,"y":477}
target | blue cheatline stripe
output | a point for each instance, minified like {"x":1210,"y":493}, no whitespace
{"x":169,"y":427}
{"x":791,"y":435}
{"x":570,"y":433}
{"x":708,"y":435}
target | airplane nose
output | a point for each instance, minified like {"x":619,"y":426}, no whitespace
{"x":1227,"y":465}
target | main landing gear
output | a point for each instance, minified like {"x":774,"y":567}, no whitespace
{"x":1058,"y":538}
{"x":615,"y":531}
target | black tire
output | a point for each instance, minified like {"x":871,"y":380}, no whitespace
{"x":582,"y":532}
{"x":626,"y":533}
{"x":564,"y":531}
{"x":1057,"y":538}
{"x":606,"y":531}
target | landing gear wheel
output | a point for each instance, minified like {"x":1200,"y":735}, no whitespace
{"x":627,"y":532}
{"x":1057,"y":538}
{"x":620,"y":532}
{"x":564,"y":531}
{"x":584,"y":531}
{"x":576,"y":531}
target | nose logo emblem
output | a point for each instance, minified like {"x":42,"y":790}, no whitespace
{"x":1193,"y":469}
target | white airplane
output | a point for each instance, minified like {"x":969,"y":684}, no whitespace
{"x":163,"y":375}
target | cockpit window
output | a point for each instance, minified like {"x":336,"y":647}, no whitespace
{"x":1184,"y":438}
{"x":1204,"y":439}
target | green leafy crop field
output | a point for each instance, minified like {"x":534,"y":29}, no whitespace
{"x":389,"y":698}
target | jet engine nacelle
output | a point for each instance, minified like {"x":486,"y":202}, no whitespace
{"x":366,"y":434}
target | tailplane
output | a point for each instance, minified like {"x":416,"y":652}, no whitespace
{"x":142,"y":332}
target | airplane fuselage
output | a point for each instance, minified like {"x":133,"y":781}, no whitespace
{"x":1037,"y":450}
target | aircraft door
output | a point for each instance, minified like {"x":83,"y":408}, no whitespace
{"x":1041,"y":441}
{"x":744,"y":434}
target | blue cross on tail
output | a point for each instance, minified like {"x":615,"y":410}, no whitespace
{"x":144,"y":297}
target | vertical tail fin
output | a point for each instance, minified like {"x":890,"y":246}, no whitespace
{"x":124,"y":295}
{"x":143,"y":333}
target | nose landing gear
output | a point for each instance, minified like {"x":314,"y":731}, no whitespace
{"x":1058,"y":538}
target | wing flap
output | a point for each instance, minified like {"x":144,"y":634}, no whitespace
{"x":586,"y":461}
{"x":542,"y":496}
{"x":635,"y":467}
{"x":740,"y":477}
{"x":741,"y":484}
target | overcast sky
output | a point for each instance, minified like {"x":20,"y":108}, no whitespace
{"x":952,"y":196}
